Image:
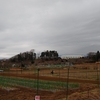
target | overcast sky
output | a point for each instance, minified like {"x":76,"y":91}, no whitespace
{"x":67,"y":26}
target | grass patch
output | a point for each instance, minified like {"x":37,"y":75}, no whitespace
{"x":45,"y":85}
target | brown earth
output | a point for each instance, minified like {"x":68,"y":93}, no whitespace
{"x":50,"y":78}
{"x":85,"y":92}
{"x":22,"y":93}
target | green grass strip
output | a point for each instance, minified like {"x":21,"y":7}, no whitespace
{"x":46,"y":85}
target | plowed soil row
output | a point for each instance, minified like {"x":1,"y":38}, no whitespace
{"x":50,"y":78}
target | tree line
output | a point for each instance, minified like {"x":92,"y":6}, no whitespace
{"x":94,"y":56}
{"x":49,"y":55}
{"x":23,"y":57}
{"x":46,"y":55}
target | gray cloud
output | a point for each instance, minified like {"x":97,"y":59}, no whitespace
{"x":68,"y":26}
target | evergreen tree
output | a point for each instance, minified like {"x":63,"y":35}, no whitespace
{"x":97,"y":56}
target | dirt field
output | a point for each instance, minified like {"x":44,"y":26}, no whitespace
{"x":21,"y":93}
{"x":87,"y":78}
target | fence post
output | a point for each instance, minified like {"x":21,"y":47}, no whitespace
{"x":67,"y":82}
{"x":97,"y":74}
{"x":88,"y":92}
{"x":38,"y":80}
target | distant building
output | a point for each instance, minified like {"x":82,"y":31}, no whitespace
{"x":66,"y":56}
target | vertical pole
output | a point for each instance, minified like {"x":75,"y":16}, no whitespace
{"x":88,"y":92}
{"x":37,"y":80}
{"x":67,"y":82}
{"x":21,"y":69}
{"x":98,"y":78}
{"x":97,"y":75}
{"x":59,"y":74}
